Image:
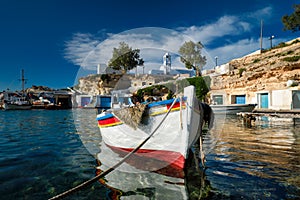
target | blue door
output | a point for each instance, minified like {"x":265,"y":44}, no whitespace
{"x":264,"y":100}
{"x":103,"y":102}
{"x":240,"y":99}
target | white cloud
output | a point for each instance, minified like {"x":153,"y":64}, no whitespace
{"x":264,"y":13}
{"x":224,"y":26}
{"x":235,"y":50}
{"x":80,"y":47}
{"x":86,"y":50}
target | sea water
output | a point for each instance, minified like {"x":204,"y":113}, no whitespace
{"x":45,"y":152}
{"x":41,"y":155}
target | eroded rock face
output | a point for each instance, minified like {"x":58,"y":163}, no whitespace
{"x":97,"y":84}
{"x":38,"y":89}
{"x":266,"y":71}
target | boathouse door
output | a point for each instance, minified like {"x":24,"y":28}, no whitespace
{"x":296,"y":99}
{"x":85,"y":101}
{"x":240,"y":99}
{"x":264,"y":100}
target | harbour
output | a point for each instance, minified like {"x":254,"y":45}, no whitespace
{"x":151,"y":143}
{"x":261,"y":162}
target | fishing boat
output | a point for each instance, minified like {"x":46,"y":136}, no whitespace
{"x":232,"y":109}
{"x":169,"y":128}
{"x":15,"y":101}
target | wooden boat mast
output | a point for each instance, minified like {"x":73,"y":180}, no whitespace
{"x":23,"y":81}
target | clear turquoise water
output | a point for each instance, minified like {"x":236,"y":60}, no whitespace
{"x":41,"y":155}
{"x":44,"y":152}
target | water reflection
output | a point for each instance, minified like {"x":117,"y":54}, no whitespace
{"x":261,"y":162}
{"x":133,"y":180}
{"x":266,"y":157}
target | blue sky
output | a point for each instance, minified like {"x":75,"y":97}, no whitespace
{"x":52,"y":39}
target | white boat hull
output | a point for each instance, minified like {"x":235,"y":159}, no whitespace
{"x":8,"y":106}
{"x":232,"y":109}
{"x":171,"y":141}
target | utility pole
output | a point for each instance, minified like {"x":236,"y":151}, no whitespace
{"x":271,"y":38}
{"x":261,"y":35}
{"x":216,"y":59}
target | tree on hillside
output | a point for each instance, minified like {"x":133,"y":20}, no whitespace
{"x":125,"y":58}
{"x":190,"y":55}
{"x":292,"y":22}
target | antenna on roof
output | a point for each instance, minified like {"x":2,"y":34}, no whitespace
{"x":261,"y":34}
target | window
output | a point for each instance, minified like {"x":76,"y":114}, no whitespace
{"x":217,"y":99}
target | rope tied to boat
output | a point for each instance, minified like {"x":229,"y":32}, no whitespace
{"x":94,"y":179}
{"x":180,"y":114}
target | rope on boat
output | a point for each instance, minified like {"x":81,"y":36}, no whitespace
{"x":94,"y":179}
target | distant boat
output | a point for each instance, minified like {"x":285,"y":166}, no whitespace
{"x":15,"y":101}
{"x":175,"y":133}
{"x":232,"y":109}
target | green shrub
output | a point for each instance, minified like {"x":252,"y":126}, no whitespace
{"x":295,"y":41}
{"x":291,"y":59}
{"x":281,"y":44}
{"x":201,"y":87}
{"x":241,"y":70}
{"x":256,"y":60}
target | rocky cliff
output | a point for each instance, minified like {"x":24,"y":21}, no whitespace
{"x":270,"y":69}
{"x":96,"y":84}
{"x":103,"y":84}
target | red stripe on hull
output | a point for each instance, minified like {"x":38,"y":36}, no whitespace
{"x":176,"y":105}
{"x":108,"y":121}
{"x":160,"y":161}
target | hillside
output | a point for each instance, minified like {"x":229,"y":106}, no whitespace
{"x":268,"y":70}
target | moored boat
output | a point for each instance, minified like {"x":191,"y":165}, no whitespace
{"x":174,"y":122}
{"x":232,"y":109}
{"x":15,"y":101}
